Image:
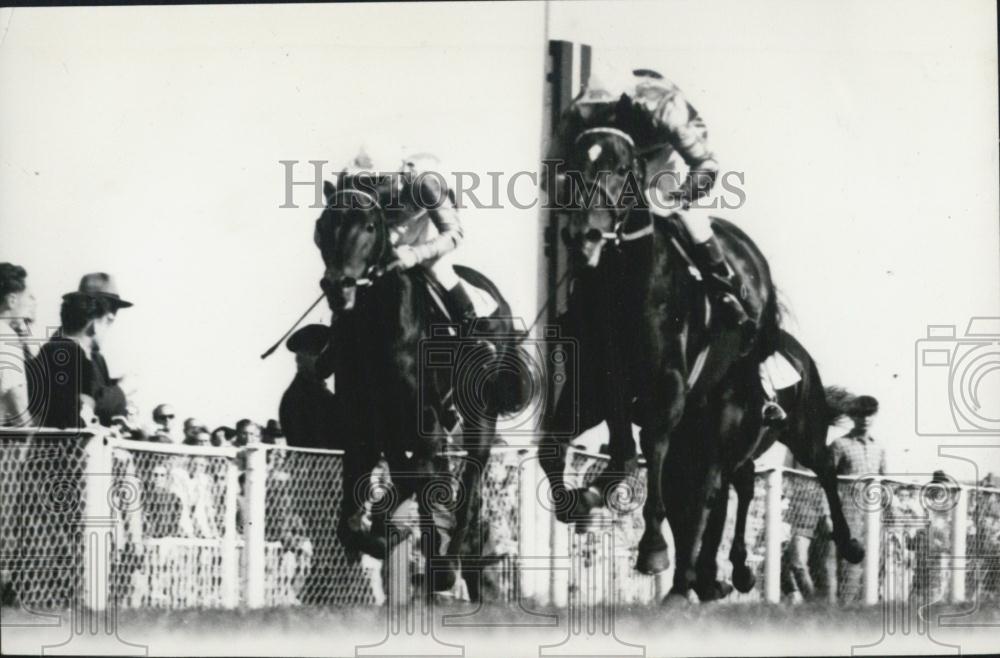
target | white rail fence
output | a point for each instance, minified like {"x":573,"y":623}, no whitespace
{"x":109,"y":521}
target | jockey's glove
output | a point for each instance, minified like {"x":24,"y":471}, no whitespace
{"x":406,"y":256}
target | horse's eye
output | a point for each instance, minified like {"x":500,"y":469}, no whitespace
{"x":370,"y":228}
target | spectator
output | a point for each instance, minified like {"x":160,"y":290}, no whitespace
{"x":162,"y":507}
{"x":199,"y":497}
{"x":308,"y":410}
{"x":73,"y":371}
{"x":17,"y":313}
{"x":273,"y":434}
{"x":193,"y":427}
{"x":247,"y":433}
{"x":223,"y":436}
{"x":932,"y":544}
{"x":857,"y":454}
{"x":810,"y":517}
{"x":283,"y":524}
{"x":164,"y":430}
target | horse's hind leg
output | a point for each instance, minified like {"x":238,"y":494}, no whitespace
{"x":817,"y":458}
{"x":467,"y":538}
{"x":743,"y":481}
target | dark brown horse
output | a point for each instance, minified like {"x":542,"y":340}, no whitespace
{"x":398,"y":403}
{"x":653,"y":353}
{"x":803,"y":432}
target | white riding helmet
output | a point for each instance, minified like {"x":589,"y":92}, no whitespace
{"x":376,"y":156}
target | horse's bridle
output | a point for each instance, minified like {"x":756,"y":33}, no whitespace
{"x":375,"y":271}
{"x":638,"y":160}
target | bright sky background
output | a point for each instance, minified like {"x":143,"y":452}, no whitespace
{"x":144,"y":141}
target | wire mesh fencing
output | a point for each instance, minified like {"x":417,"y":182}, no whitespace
{"x":43,"y":478}
{"x":221,"y":527}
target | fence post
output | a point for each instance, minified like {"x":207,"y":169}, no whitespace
{"x":98,"y":523}
{"x":772,"y":534}
{"x":527,"y":511}
{"x":959,"y":533}
{"x":230,"y":557}
{"x":873,"y":550}
{"x":255,"y":484}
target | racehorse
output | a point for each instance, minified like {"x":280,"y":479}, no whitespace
{"x":400,"y":401}
{"x":659,"y":358}
{"x":811,"y":410}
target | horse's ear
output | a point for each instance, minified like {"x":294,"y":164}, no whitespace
{"x":329,"y":190}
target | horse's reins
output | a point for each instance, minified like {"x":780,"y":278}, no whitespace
{"x":618,"y":235}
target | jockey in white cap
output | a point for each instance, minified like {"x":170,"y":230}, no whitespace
{"x":423,"y":222}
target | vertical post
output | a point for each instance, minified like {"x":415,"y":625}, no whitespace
{"x":543,"y":535}
{"x":526,"y":511}
{"x":559,"y":550}
{"x":230,"y":557}
{"x":255,"y":484}
{"x":98,"y":524}
{"x":772,"y":538}
{"x":873,"y":552}
{"x":959,"y":533}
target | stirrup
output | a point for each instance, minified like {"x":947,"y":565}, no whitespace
{"x":772,"y":413}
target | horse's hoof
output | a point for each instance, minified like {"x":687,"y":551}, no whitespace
{"x":713,"y":591}
{"x":652,"y":562}
{"x":853,"y":552}
{"x":574,"y":505}
{"x":359,"y":541}
{"x":675,"y":600}
{"x":445,"y":576}
{"x":743,"y":579}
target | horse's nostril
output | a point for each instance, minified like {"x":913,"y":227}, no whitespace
{"x":593,"y":235}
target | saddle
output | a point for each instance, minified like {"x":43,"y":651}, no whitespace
{"x":484,"y":302}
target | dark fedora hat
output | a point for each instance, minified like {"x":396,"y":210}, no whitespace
{"x":310,"y":338}
{"x":102,"y":285}
{"x":862,"y":406}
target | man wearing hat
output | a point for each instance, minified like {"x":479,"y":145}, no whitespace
{"x":857,"y":454}
{"x":308,"y":411}
{"x":74,"y":373}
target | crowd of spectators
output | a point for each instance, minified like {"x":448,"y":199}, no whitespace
{"x":63,"y":381}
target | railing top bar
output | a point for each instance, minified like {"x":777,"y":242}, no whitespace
{"x":47,"y":431}
{"x":318,"y":451}
{"x":172,"y":448}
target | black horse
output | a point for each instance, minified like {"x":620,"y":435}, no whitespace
{"x":653,"y":353}
{"x":810,"y":413}
{"x":400,"y":399}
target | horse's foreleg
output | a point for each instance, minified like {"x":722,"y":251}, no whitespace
{"x":654,"y":556}
{"x":660,"y":412}
{"x":743,"y":481}
{"x":707,"y":565}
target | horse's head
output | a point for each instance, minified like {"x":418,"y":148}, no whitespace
{"x":606,"y":177}
{"x":353,"y":239}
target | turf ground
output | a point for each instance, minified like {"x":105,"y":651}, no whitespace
{"x":707,"y":630}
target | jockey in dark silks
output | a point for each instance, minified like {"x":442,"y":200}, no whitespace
{"x":664,"y":127}
{"x":668,"y":133}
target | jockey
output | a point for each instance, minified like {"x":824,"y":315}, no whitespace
{"x":423,"y":222}
{"x":668,"y":133}
{"x":668,"y":128}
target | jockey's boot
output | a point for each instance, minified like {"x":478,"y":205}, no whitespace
{"x":724,"y":285}
{"x":465,"y":313}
